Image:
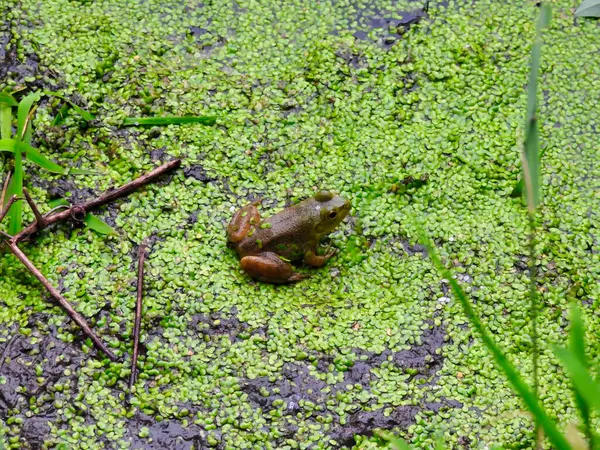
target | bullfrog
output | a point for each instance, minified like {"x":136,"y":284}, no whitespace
{"x":267,"y":246}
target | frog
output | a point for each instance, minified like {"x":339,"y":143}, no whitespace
{"x":267,"y":246}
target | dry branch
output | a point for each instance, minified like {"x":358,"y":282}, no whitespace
{"x":138,"y":314}
{"x":79,"y":211}
{"x":77,"y":318}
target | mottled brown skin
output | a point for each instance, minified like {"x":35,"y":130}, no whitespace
{"x":266,"y":246}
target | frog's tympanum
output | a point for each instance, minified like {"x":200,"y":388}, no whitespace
{"x":266,"y":246}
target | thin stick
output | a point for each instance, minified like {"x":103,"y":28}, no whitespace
{"x":4,"y":212}
{"x":138,"y":314}
{"x":106,"y":197}
{"x":61,"y":300}
{"x":41,"y":222}
{"x":4,"y":188}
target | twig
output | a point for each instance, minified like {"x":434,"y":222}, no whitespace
{"x":107,"y":197}
{"x":41,"y":222}
{"x":61,"y":300}
{"x":4,"y":188}
{"x":4,"y":212}
{"x":138,"y":314}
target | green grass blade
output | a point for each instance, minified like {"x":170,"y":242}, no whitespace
{"x":63,"y":112}
{"x":577,"y":347}
{"x":514,"y":378}
{"x":170,"y":120}
{"x":531,"y":156}
{"x":58,"y":202}
{"x":98,"y":225}
{"x":84,"y":114}
{"x":582,"y":380}
{"x":23,"y":111}
{"x":5,"y":121}
{"x":34,"y":155}
{"x":15,"y":187}
{"x":7,"y":99}
{"x":588,"y":8}
{"x":8,"y":145}
{"x":76,"y":171}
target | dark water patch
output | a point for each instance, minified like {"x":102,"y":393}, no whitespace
{"x":165,"y":434}
{"x":197,"y":172}
{"x":24,"y":386}
{"x":297,"y":385}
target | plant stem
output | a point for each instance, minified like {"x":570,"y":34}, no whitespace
{"x":36,"y":212}
{"x":106,"y":197}
{"x":138,"y":314}
{"x":533,"y":310}
{"x":4,"y":212}
{"x":77,"y":318}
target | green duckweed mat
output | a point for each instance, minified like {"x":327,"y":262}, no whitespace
{"x":408,"y":121}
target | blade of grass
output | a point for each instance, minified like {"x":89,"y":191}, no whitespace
{"x":170,"y":120}
{"x":84,"y":114}
{"x":15,"y":187}
{"x":531,"y":157}
{"x":580,"y":377}
{"x":7,"y":99}
{"x":588,"y":8}
{"x":514,"y":378}
{"x":577,"y":346}
{"x":23,"y":113}
{"x":98,"y":225}
{"x":5,"y":121}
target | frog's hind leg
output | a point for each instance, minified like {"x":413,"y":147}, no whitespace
{"x":270,"y":268}
{"x":242,"y":221}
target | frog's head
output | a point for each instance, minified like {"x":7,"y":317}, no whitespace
{"x":332,"y":210}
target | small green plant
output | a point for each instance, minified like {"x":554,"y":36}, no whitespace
{"x":20,"y":147}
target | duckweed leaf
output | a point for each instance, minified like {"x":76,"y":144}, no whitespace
{"x":98,"y":225}
{"x":588,"y":8}
{"x":169,"y":120}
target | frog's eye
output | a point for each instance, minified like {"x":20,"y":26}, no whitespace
{"x":332,"y":215}
{"x":323,"y":196}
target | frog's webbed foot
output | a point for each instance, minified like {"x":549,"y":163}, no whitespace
{"x":243,"y":220}
{"x":270,"y":268}
{"x":314,"y":260}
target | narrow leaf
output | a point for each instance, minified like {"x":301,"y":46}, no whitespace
{"x":7,"y":99}
{"x":170,"y":120}
{"x":531,"y":157}
{"x":34,"y":155}
{"x":84,"y":114}
{"x":63,"y":112}
{"x":98,"y":225}
{"x":588,"y":8}
{"x":76,"y":171}
{"x":580,"y":377}
{"x":8,"y":145}
{"x":5,"y":121}
{"x":58,"y":202}
{"x":513,"y":376}
{"x":23,"y":111}
{"x":15,"y":187}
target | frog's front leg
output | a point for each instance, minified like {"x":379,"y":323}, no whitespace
{"x":242,"y":220}
{"x":270,"y":268}
{"x":314,"y":260}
